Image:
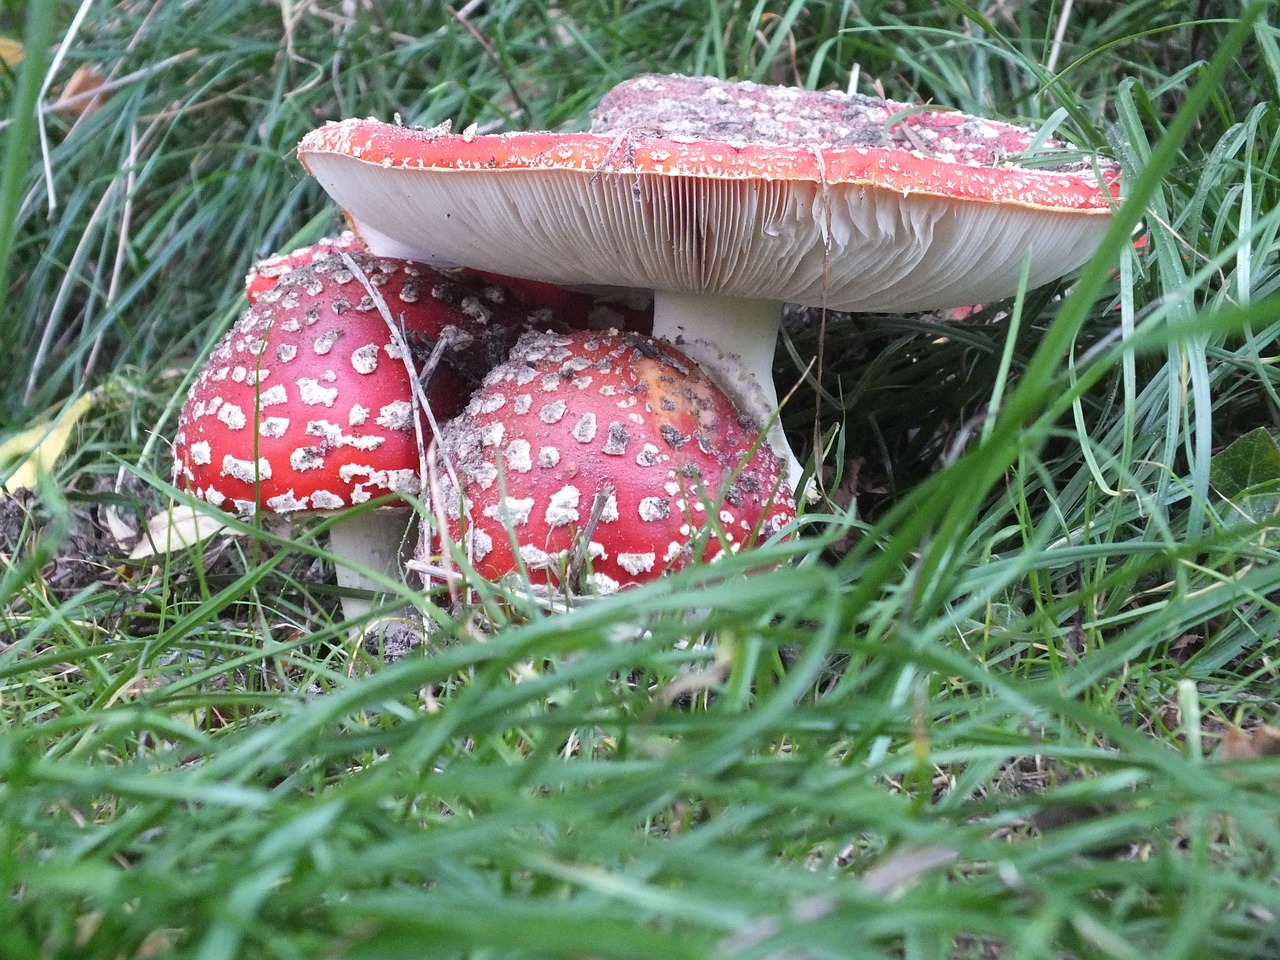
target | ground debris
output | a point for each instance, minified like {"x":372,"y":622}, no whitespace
{"x":1239,"y":743}
{"x":75,"y":543}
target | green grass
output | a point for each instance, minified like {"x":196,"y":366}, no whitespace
{"x":974,"y":711}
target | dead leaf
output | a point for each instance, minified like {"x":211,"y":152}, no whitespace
{"x":11,"y":52}
{"x":901,"y":868}
{"x":36,"y":449}
{"x":123,"y":531}
{"x":83,"y":94}
{"x":1241,"y":744}
{"x":176,"y":528}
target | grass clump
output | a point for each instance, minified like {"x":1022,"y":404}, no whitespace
{"x":977,"y":710}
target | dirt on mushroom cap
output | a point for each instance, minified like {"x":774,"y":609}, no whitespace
{"x":741,"y":112}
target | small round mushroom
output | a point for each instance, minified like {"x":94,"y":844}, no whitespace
{"x":307,"y":403}
{"x":727,"y":199}
{"x":598,"y":460}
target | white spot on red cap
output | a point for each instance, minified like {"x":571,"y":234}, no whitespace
{"x":246,"y":471}
{"x":312,"y":394}
{"x":517,"y":456}
{"x":637,"y":563}
{"x":274,"y":427}
{"x":232,"y":416}
{"x":535,"y":558}
{"x":397,"y":415}
{"x":273,"y":395}
{"x":491,"y":436}
{"x":286,"y":502}
{"x":654,"y":508}
{"x":326,"y":500}
{"x":333,"y":437}
{"x":477,"y":544}
{"x":513,"y":511}
{"x":616,"y":444}
{"x":484,"y":474}
{"x":306,"y":458}
{"x":584,"y":431}
{"x":492,"y":402}
{"x":563,"y":508}
{"x":365,"y":359}
{"x":602,"y":583}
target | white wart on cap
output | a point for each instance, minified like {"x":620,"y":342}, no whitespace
{"x":609,"y":451}
{"x":857,"y":205}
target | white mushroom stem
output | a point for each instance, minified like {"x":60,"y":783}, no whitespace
{"x":370,"y":542}
{"x":733,"y":340}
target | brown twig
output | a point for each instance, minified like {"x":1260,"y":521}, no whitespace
{"x":582,"y":546}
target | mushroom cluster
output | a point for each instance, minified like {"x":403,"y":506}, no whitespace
{"x":721,"y":200}
{"x":309,"y":403}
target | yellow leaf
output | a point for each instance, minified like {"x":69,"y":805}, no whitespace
{"x":10,"y":52}
{"x":36,"y":449}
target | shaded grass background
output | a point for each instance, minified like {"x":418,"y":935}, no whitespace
{"x":973,"y":714}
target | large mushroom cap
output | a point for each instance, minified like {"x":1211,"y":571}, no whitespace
{"x":884,"y":210}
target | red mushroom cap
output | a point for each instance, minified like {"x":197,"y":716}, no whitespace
{"x":880,"y":208}
{"x":617,"y":425}
{"x":307,"y":402}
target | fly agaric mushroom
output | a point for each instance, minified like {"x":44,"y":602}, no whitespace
{"x":307,"y":404}
{"x":727,"y":199}
{"x":607,"y":452}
